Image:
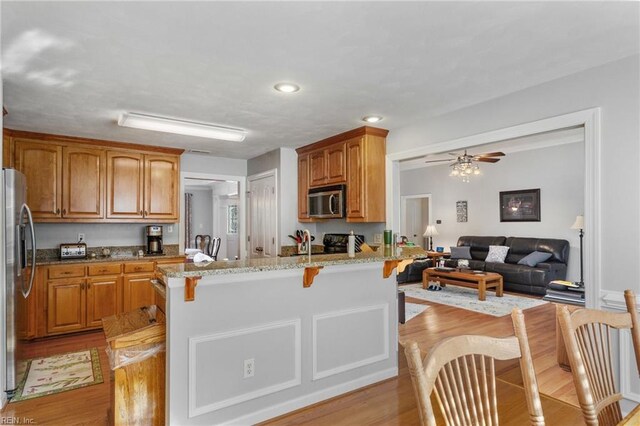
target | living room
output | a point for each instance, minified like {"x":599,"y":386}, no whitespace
{"x":443,"y":77}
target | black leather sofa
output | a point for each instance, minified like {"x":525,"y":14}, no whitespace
{"x":413,"y":271}
{"x":520,"y":278}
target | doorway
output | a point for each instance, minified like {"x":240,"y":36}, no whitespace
{"x":212,"y":207}
{"x":415,"y":216}
{"x":263,"y":214}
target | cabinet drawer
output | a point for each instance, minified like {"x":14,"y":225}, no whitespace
{"x":70,"y":271}
{"x":132,"y":268}
{"x":105,"y":269}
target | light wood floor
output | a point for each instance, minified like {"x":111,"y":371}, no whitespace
{"x":390,"y":402}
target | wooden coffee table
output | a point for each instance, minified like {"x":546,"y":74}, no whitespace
{"x":481,"y":282}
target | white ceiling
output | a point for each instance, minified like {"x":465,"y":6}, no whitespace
{"x":71,"y":67}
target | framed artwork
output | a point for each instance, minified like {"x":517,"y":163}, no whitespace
{"x":232,"y":219}
{"x":520,"y":206}
{"x":461,"y":211}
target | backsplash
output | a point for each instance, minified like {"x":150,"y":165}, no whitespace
{"x":339,"y":226}
{"x":43,"y":255}
{"x":51,"y":235}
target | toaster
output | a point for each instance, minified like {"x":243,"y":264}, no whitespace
{"x":73,"y":251}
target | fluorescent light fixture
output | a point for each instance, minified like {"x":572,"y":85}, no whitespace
{"x":286,"y":87}
{"x":372,"y":118}
{"x":181,"y":127}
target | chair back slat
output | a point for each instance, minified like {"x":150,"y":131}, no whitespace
{"x":461,"y":371}
{"x":587,"y":337}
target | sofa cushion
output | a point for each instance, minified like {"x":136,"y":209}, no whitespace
{"x":460,"y":252}
{"x":532,"y":259}
{"x":480,"y":245}
{"x":497,"y":254}
{"x":520,"y":247}
{"x":519,"y":273}
{"x":473,"y":264}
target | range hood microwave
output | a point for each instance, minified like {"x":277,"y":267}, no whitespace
{"x":327,"y":202}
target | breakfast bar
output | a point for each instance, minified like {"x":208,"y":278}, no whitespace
{"x":253,"y":339}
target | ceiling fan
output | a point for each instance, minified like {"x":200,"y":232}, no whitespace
{"x":465,"y":164}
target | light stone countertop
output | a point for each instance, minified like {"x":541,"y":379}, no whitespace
{"x":273,"y":264}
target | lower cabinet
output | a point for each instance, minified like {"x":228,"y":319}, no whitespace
{"x":138,"y":291}
{"x":102,"y":299}
{"x":66,"y":305}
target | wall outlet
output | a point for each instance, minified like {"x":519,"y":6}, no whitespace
{"x":80,"y":237}
{"x":377,"y":238}
{"x":170,"y":228}
{"x":249,"y":367}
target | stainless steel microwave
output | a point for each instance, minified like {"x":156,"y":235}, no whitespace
{"x":327,"y":202}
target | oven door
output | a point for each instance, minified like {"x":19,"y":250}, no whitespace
{"x":326,"y":204}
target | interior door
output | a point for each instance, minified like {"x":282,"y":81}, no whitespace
{"x":262,"y":216}
{"x":416,"y":219}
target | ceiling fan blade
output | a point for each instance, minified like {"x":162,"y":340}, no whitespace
{"x":437,"y":161}
{"x":487,"y":160}
{"x":454,"y":154}
{"x":490,"y":154}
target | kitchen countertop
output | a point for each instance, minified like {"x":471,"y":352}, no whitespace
{"x":272,"y":264}
{"x":118,"y":254}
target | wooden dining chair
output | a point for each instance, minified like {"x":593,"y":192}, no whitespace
{"x":461,"y":372}
{"x":587,"y":337}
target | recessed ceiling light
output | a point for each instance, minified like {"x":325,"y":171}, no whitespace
{"x":181,"y":127}
{"x":286,"y":87}
{"x":372,"y":118}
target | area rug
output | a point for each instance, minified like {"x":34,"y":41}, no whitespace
{"x":412,"y":310}
{"x":59,"y":373}
{"x":467,"y":298}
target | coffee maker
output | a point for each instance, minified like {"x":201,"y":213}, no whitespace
{"x":154,"y":239}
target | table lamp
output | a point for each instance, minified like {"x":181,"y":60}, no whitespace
{"x":430,"y":232}
{"x":579,"y":224}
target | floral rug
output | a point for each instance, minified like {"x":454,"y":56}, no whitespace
{"x":467,"y":298}
{"x":412,"y":310}
{"x":59,"y":373}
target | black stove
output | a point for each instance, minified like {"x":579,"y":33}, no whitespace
{"x":338,"y":243}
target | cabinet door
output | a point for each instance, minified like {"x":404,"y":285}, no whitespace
{"x":138,"y":291}
{"x":125,"y":185}
{"x":102,"y":299}
{"x":41,"y":163}
{"x":83,"y":183}
{"x":317,"y":168}
{"x":65,"y":305}
{"x":303,"y":187}
{"x":161,"y":183}
{"x":355,"y":179}
{"x":336,"y":163}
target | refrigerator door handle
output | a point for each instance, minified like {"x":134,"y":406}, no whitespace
{"x":25,"y":209}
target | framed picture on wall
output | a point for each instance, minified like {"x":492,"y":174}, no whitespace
{"x":520,"y":206}
{"x":461,"y":211}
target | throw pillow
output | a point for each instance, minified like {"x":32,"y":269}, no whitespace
{"x":460,"y":252}
{"x":532,"y":259}
{"x":497,"y":254}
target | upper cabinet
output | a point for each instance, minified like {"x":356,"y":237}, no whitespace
{"x":356,"y":158}
{"x":84,"y":180}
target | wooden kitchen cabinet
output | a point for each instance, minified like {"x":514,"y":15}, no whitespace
{"x":303,"y":188}
{"x":138,"y":291}
{"x":357,"y":158}
{"x":83,"y":181}
{"x":102,"y":299}
{"x":66,"y":305}
{"x":41,"y":163}
{"x":161,"y":187}
{"x":73,"y":179}
{"x":125,"y":185}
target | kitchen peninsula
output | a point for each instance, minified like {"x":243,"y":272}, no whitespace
{"x":256,"y":342}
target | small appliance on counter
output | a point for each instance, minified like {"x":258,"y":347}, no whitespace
{"x":154,"y":239}
{"x":338,"y":243}
{"x":73,"y":251}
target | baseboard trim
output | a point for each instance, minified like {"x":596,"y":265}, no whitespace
{"x":312,"y":398}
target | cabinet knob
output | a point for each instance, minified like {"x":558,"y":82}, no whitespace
{"x":58,"y":211}
{"x":82,"y":286}
{"x":64,"y":211}
{"x":146,"y":213}
{"x":88,"y":286}
{"x":140,"y":212}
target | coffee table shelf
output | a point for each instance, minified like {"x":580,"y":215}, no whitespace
{"x":481,"y":282}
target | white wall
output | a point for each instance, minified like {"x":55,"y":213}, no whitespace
{"x":615,"y":89}
{"x":201,"y":212}
{"x":198,"y":163}
{"x":557,"y":171}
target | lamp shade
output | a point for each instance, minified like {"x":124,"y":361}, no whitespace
{"x":430,"y":232}
{"x":579,"y":223}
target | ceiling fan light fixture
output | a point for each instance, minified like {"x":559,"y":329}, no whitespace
{"x":181,"y":127}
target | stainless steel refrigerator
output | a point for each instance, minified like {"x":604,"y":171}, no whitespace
{"x":20,"y":241}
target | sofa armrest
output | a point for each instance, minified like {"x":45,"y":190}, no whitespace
{"x":555,"y":270}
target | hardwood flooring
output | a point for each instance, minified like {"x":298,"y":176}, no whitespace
{"x":387,"y":403}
